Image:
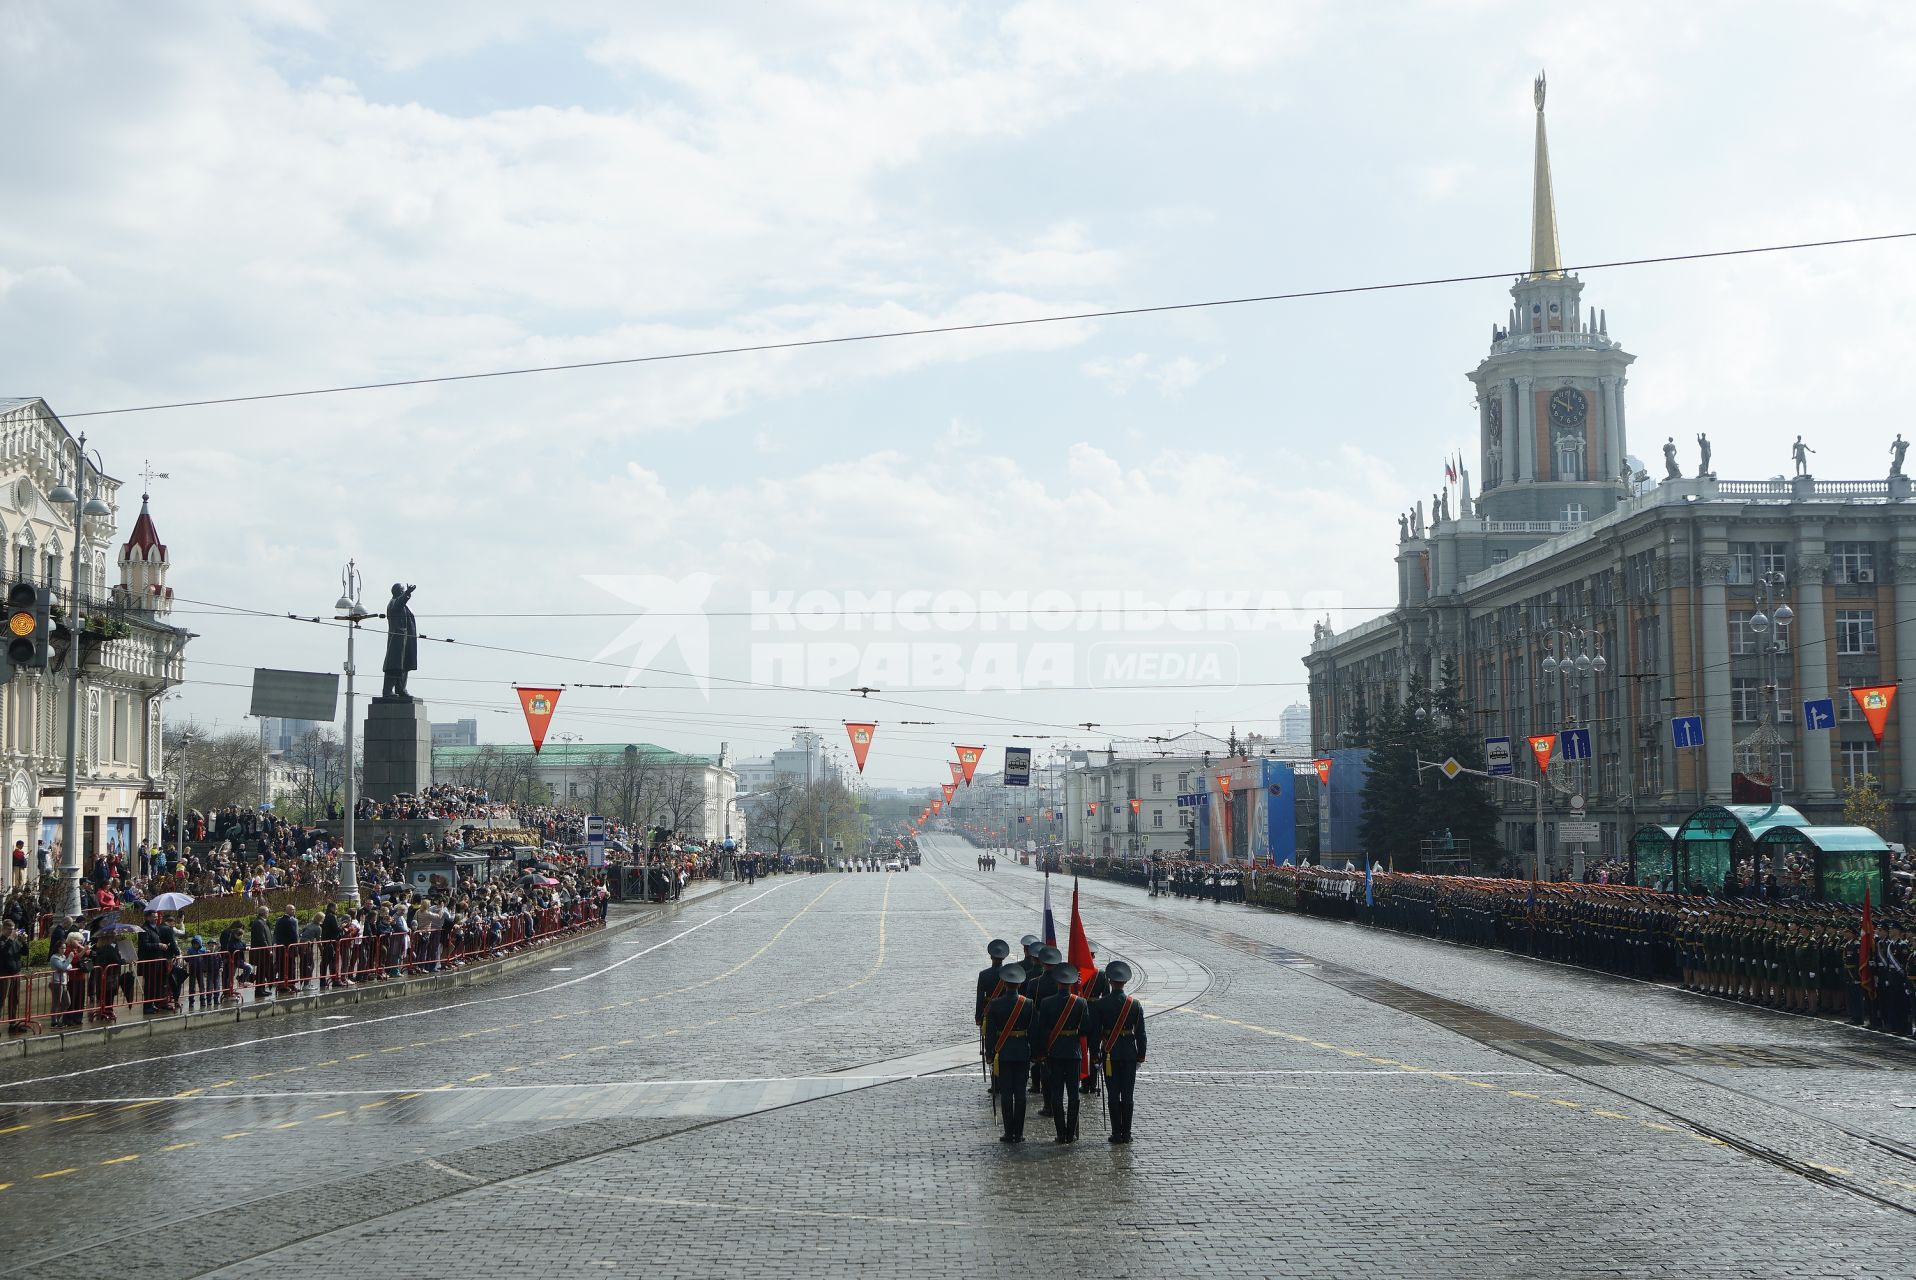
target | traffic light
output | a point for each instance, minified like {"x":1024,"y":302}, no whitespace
{"x":28,"y":624}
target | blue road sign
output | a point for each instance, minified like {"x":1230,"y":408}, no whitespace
{"x":1573,"y":744}
{"x":1687,"y":731}
{"x":1497,"y":762}
{"x":1819,"y":713}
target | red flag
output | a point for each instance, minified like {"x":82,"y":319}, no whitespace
{"x":950,"y":787}
{"x":1875,"y":701}
{"x":1079,"y":953}
{"x":1224,"y":804}
{"x":969,"y":758}
{"x":538,"y":704}
{"x":937,"y":806}
{"x":1092,"y":808}
{"x":1866,"y":946}
{"x":861,"y":735}
{"x":957,"y":774}
{"x":1323,"y":770}
{"x":1135,"y":806}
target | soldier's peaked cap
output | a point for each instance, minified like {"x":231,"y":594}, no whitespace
{"x":1117,"y":973}
{"x":997,"y":948}
{"x":1029,"y":940}
{"x":1050,"y":955}
{"x":1012,"y":975}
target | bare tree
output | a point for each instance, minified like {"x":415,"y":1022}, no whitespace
{"x":775,"y":812}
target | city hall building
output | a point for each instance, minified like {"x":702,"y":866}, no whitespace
{"x":1684,"y":621}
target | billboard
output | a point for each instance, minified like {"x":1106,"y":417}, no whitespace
{"x":295,"y":695}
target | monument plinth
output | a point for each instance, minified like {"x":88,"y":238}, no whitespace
{"x":398,"y":748}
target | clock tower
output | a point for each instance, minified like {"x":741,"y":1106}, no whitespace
{"x":1552,"y":439}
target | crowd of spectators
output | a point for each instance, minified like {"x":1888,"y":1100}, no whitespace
{"x":440,"y":801}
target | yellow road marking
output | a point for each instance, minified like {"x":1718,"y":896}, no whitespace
{"x":1611,"y":1115}
{"x":370,"y":1106}
{"x":1827,"y":1168}
{"x":228,"y":1137}
{"x":135,"y":1106}
{"x":120,"y":1160}
{"x":78,"y":1115}
{"x":180,"y":1146}
{"x":1560,"y":1102}
{"x":57,"y":1173}
{"x":16,"y":1128}
{"x":1519,"y":1093}
{"x":330,"y":1115}
{"x":221,"y":1085}
{"x":483,"y":1075}
{"x":290,"y":1124}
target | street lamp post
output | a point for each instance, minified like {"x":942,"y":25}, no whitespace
{"x":565,"y":769}
{"x":347,"y":610}
{"x":1770,"y":623}
{"x":1575,"y":654}
{"x":70,"y":814}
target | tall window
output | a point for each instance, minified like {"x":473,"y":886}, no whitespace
{"x":1853,"y":561}
{"x":1569,"y":457}
{"x":1157,"y":784}
{"x":1859,"y":758}
{"x":1742,"y":639}
{"x":1746,"y":698}
{"x":1855,"y":631}
{"x":53,"y":568}
{"x":1157,"y":817}
{"x":1743,"y":562}
{"x":1773,"y":557}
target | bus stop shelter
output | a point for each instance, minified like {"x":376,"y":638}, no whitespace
{"x":1715,"y":838}
{"x":1653,"y":857}
{"x":1845,"y":861}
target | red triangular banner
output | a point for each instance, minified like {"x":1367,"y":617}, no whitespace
{"x":950,"y":787}
{"x":861,"y":736}
{"x":968,"y":758}
{"x":538,"y":704}
{"x":1541,"y":746}
{"x":1136,"y":805}
{"x":1875,"y":700}
{"x":1323,"y":770}
{"x":1092,"y":809}
{"x":957,"y":773}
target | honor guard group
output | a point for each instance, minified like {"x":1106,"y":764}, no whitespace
{"x":1043,"y":1029}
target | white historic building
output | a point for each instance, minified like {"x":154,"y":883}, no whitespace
{"x":130,"y":653}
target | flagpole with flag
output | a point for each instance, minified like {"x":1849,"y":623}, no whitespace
{"x":1080,"y":949}
{"x":1050,"y":930}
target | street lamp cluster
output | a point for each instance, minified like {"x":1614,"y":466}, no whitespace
{"x":83,"y":507}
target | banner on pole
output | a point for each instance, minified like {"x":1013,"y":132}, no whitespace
{"x":1541,"y":746}
{"x":1323,"y":770}
{"x":1875,"y":700}
{"x":957,"y":774}
{"x":950,"y":788}
{"x":538,"y":704}
{"x":1136,"y":805}
{"x":1017,"y":766}
{"x":861,"y":736}
{"x":968,"y":758}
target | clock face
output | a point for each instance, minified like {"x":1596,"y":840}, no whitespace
{"x":1568,"y":407}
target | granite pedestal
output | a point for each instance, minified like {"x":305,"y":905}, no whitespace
{"x":398,"y":749}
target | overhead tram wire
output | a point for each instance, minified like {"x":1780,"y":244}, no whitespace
{"x":743,"y":685}
{"x":1109,"y":313}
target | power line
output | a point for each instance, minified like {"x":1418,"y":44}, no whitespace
{"x":794,"y":344}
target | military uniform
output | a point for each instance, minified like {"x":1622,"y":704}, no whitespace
{"x":1118,"y":1020}
{"x":1063,"y":1027}
{"x":1007,"y":1038}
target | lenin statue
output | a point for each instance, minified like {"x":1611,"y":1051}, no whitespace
{"x":402,"y":642}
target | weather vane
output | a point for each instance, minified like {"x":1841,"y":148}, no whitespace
{"x":148,"y":475}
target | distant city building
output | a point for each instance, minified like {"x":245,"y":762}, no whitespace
{"x":637,"y":782}
{"x":1294,"y":724}
{"x":455,"y":733}
{"x":283,"y":735}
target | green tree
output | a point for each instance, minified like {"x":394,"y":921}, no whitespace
{"x":1460,"y":806}
{"x":1360,"y":727}
{"x":1864,"y":805}
{"x":1390,"y":823}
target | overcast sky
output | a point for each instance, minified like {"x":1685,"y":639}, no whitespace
{"x":219,"y":199}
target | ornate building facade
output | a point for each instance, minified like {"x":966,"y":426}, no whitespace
{"x":131,"y":655}
{"x":1572,"y":553}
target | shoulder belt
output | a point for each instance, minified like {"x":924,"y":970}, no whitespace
{"x":1010,"y":1022}
{"x":1070,"y":1003}
{"x":1117,"y":1028}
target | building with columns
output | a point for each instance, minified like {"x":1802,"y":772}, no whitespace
{"x":130,"y":653}
{"x":1570,"y":553}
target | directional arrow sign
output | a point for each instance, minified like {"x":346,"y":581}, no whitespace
{"x":1687,"y":731}
{"x":1574,"y":744}
{"x":1819,"y":713}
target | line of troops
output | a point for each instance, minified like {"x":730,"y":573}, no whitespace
{"x":1806,"y":957}
{"x":1043,"y":1029}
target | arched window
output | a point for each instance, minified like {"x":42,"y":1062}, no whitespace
{"x":1570,"y":455}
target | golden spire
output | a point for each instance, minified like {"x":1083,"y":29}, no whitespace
{"x":1545,"y":258}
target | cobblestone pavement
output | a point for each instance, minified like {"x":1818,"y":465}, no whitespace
{"x":781,"y":1078}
